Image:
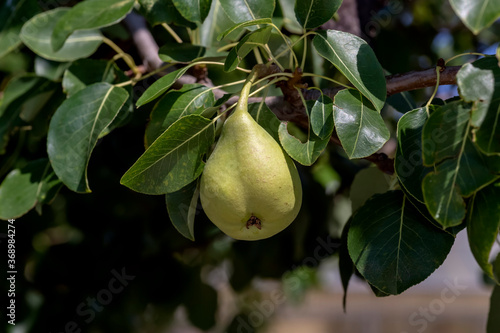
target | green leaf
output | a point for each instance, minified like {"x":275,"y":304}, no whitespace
{"x":366,"y":183}
{"x":453,"y":178}
{"x":304,"y":153}
{"x":247,"y":44}
{"x":163,"y":11}
{"x":181,"y":52}
{"x":49,"y":69}
{"x":17,"y":96}
{"x":88,"y":14}
{"x":160,"y":86}
{"x":216,"y":22}
{"x":244,"y":25}
{"x":23,"y":188}
{"x":402,"y":102}
{"x":476,"y":14}
{"x":483,"y":221}
{"x":174,"y":159}
{"x":37,"y":31}
{"x":408,"y":162}
{"x":13,"y":14}
{"x":289,"y":19}
{"x":497,"y":54}
{"x":265,"y":118}
{"x":479,"y":82}
{"x":359,"y":126}
{"x":190,"y":99}
{"x":75,"y":128}
{"x":346,"y":266}
{"x":356,"y":61}
{"x":322,"y":117}
{"x":240,"y":11}
{"x":493,"y":324}
{"x":313,"y":13}
{"x":193,"y":10}
{"x":181,"y":206}
{"x":445,"y":131}
{"x":393,"y":246}
{"x":84,"y":72}
{"x":422,"y":208}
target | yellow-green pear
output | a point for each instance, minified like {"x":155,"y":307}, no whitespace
{"x":250,"y":188}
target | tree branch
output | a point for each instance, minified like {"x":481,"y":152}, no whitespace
{"x":420,"y":79}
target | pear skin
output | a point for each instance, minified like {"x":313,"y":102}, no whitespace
{"x":250,"y":188}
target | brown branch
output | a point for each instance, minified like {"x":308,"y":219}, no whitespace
{"x":288,"y":107}
{"x":420,"y":79}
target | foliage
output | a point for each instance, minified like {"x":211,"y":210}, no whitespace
{"x":74,"y":108}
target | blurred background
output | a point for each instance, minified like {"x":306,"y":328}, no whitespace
{"x":111,"y":261}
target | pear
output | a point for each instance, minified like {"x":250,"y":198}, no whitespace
{"x":250,"y":188}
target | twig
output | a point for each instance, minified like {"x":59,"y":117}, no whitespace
{"x":420,"y":79}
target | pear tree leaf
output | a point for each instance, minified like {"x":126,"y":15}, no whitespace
{"x":88,"y":14}
{"x":193,"y":10}
{"x":75,"y":128}
{"x":422,"y":208}
{"x":49,"y":69}
{"x":402,"y":102}
{"x":216,"y":23}
{"x":13,"y":14}
{"x":453,"y":179}
{"x":265,"y":118}
{"x":313,"y":13}
{"x":346,"y":266}
{"x":84,"y":72}
{"x":476,"y":14}
{"x":240,"y":11}
{"x":248,"y":43}
{"x":290,"y":22}
{"x":23,"y":188}
{"x":368,"y":182}
{"x":190,"y":99}
{"x":18,"y":94}
{"x":243,"y":25}
{"x":36,"y":33}
{"x":182,"y":208}
{"x":161,"y":85}
{"x":163,"y":11}
{"x":392,"y":245}
{"x":305,"y":153}
{"x":174,"y":159}
{"x":359,"y":125}
{"x":408,"y":162}
{"x":322,"y":117}
{"x":483,"y":222}
{"x":497,"y":54}
{"x":181,"y":52}
{"x":493,"y":324}
{"x":356,"y":61}
{"x":479,"y":82}
{"x":445,"y":131}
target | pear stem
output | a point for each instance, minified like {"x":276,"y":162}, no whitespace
{"x":242,"y":104}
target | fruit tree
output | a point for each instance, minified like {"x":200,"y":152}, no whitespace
{"x":147,"y":146}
